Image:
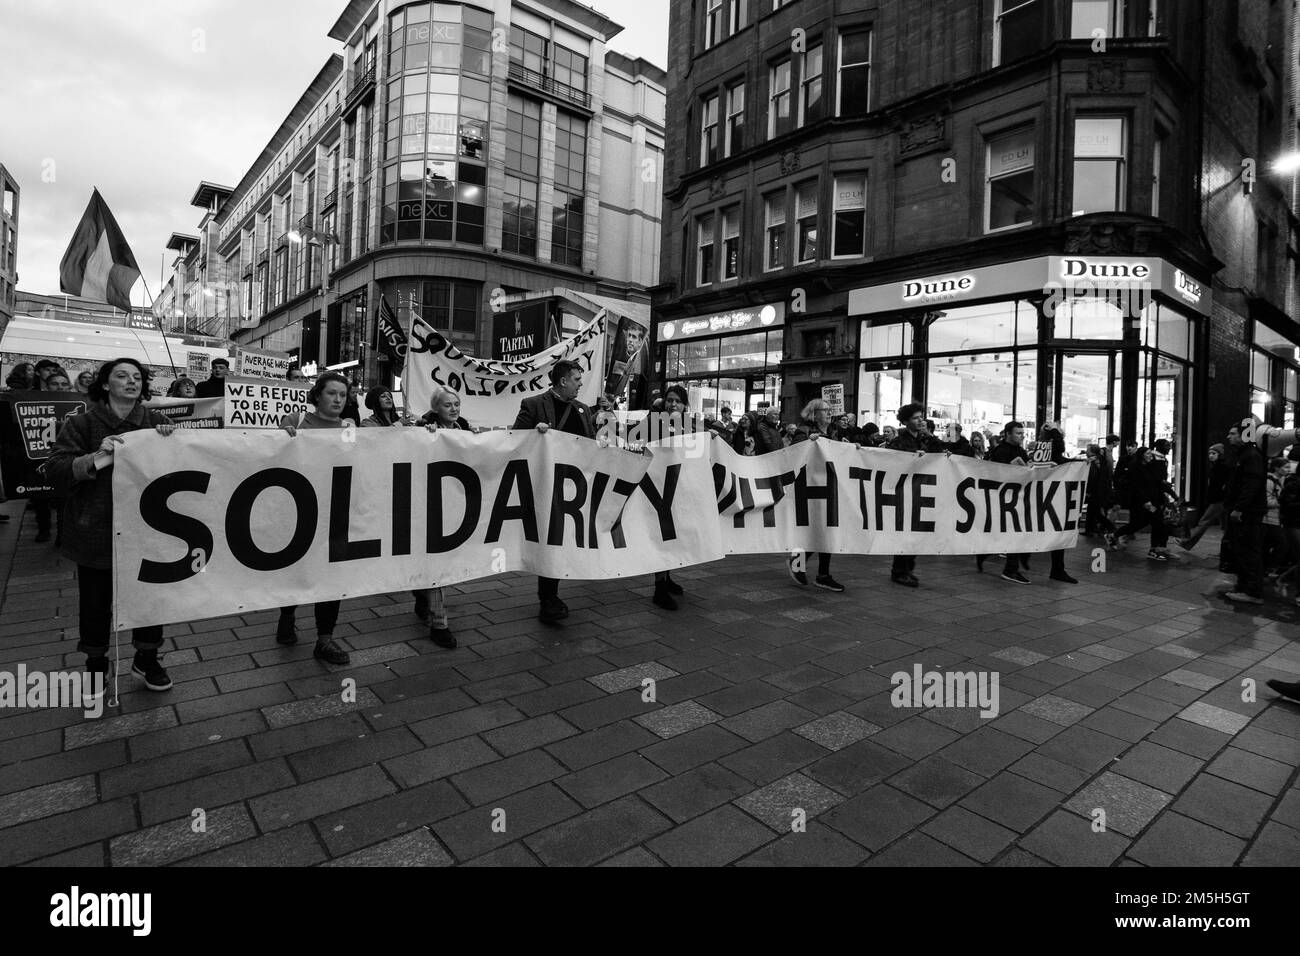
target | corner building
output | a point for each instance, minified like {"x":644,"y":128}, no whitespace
{"x":451,"y":155}
{"x":1042,"y":210}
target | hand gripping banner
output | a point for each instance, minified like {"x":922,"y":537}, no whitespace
{"x":214,"y":523}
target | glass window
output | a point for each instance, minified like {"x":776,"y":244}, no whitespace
{"x":523,"y":136}
{"x":735,"y":119}
{"x":744,"y":351}
{"x":566,"y":230}
{"x":1025,"y":410}
{"x":519,"y":220}
{"x":975,"y":391}
{"x":704,"y":246}
{"x":850,"y":235}
{"x":1259,"y":370}
{"x":885,"y":341}
{"x":699,"y":357}
{"x":1017,"y":29}
{"x":811,"y":101}
{"x":853,"y":81}
{"x":1088,"y":317}
{"x":1089,"y":16}
{"x":570,"y":152}
{"x":1010,"y":191}
{"x":775,"y":213}
{"x":709,"y":131}
{"x":739,"y":15}
{"x":883,"y":388}
{"x":1157,"y":148}
{"x":528,"y":50}
{"x":569,"y":69}
{"x":806,"y":215}
{"x":712,"y":23}
{"x":1174,"y":332}
{"x":1099,"y":152}
{"x":780,"y":118}
{"x":731,"y":242}
{"x":973,"y":327}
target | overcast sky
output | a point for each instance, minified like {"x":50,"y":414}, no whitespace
{"x":127,"y":96}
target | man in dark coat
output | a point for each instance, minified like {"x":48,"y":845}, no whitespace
{"x":912,"y":437}
{"x":559,"y":409}
{"x":767,"y":434}
{"x":1246,"y":502}
{"x":214,"y":386}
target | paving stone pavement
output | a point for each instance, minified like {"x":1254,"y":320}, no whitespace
{"x":752,"y":727}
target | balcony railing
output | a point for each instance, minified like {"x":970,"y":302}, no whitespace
{"x":540,"y":81}
{"x":363,"y":84}
{"x":330,"y":201}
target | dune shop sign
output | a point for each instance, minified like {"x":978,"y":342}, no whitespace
{"x":770,"y":316}
{"x":1075,"y":276}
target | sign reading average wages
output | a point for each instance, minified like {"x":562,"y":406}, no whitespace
{"x":215,"y":523}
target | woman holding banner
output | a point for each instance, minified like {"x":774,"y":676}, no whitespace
{"x":816,"y":425}
{"x":79,"y":466}
{"x":328,"y":396}
{"x":384,"y":410}
{"x":658,"y":425}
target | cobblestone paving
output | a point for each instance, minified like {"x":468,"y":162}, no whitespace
{"x":770,"y":738}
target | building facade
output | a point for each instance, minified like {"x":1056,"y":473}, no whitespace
{"x":451,"y":155}
{"x":9,"y":196}
{"x":1041,"y":210}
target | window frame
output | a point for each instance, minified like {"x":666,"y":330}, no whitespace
{"x":730,"y":216}
{"x":841,"y":66}
{"x":773,"y":96}
{"x":1122,"y":179}
{"x":781,"y":199}
{"x":729,"y":148}
{"x":814,"y":185}
{"x":805,"y":79}
{"x":709,"y":105}
{"x":700,"y":245}
{"x":989,"y":143}
{"x":714,"y":25}
{"x":1000,"y":13}
{"x":835,"y":212}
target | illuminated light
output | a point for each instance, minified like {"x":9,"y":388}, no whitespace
{"x":1288,"y":163}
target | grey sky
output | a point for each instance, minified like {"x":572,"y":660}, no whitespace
{"x":127,"y":96}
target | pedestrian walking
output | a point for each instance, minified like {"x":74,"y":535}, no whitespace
{"x":1099,"y":497}
{"x":560,"y":409}
{"x":816,"y":426}
{"x":1215,"y":485}
{"x":327,"y":397}
{"x":1246,"y":502}
{"x":1149,"y":491}
{"x":117,"y":408}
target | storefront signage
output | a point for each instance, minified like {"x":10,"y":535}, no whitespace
{"x":1076,"y":275}
{"x":724,"y":323}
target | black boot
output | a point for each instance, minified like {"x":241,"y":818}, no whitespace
{"x":673,"y":586}
{"x":421,"y":605}
{"x":286,"y":633}
{"x":663,"y":598}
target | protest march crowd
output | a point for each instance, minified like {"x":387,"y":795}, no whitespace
{"x":1256,"y":502}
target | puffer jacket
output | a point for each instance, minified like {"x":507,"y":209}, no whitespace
{"x":88,"y":497}
{"x":922,"y":441}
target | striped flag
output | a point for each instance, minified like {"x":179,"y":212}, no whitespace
{"x":98,"y":264}
{"x":392,"y":340}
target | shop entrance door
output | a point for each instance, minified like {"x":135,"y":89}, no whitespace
{"x":1085,"y":398}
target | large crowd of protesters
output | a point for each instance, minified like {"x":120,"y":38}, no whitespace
{"x":1255,"y":502}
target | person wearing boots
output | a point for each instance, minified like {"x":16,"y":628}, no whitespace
{"x":117,"y":408}
{"x":1245,"y":501}
{"x":669,"y":425}
{"x":816,"y":426}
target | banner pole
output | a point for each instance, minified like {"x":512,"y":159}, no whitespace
{"x":158,"y":322}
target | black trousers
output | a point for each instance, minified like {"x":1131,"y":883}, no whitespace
{"x":1140,"y":519}
{"x":327,"y":615}
{"x":44,"y":508}
{"x":904,"y":564}
{"x":95,"y":590}
{"x":1248,"y":542}
{"x":548,"y":589}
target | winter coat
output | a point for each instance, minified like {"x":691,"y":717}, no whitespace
{"x":767,"y":437}
{"x":1245,"y":488}
{"x":87,"y":519}
{"x":923,"y":441}
{"x":961,"y":446}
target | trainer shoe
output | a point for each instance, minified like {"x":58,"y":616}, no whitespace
{"x":1063,"y":577}
{"x":828,"y":583}
{"x":1015,"y":577}
{"x":1154,"y":555}
{"x":443,"y":637}
{"x":97,"y":671}
{"x":906,"y":580}
{"x":146,"y":665}
{"x":799,"y":577}
{"x":1241,"y":597}
{"x":330,"y":652}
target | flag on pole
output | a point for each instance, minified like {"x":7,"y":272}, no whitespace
{"x":392,"y":340}
{"x":98,"y":264}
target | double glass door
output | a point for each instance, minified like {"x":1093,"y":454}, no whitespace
{"x":1084,"y":396}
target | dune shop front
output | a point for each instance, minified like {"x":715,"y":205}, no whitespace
{"x":1099,"y":344}
{"x":730,"y":359}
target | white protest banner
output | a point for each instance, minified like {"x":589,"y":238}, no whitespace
{"x":260,"y":365}
{"x":837,"y":497}
{"x":490,"y":391}
{"x":833,"y":396}
{"x":191,"y":412}
{"x":259,"y":403}
{"x":212,"y":524}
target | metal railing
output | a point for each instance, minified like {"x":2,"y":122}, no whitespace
{"x":540,"y":81}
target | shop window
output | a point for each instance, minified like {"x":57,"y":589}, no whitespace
{"x":853,"y":79}
{"x":780,"y":117}
{"x":1025,"y":407}
{"x":1099,"y":158}
{"x":973,"y":327}
{"x":704,"y":250}
{"x":745,"y":351}
{"x":850,"y":234}
{"x":731,"y":243}
{"x":735,"y":135}
{"x":811,"y":101}
{"x":885,"y":341}
{"x":975,"y":391}
{"x":709,"y":130}
{"x":1168,"y":330}
{"x":1089,"y":16}
{"x":1010,"y":190}
{"x":1017,"y":29}
{"x":882,"y":390}
{"x":774,"y":205}
{"x":1088,"y":317}
{"x":806,"y":217}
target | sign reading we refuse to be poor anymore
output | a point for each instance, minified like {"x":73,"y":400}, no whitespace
{"x":261,"y":403}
